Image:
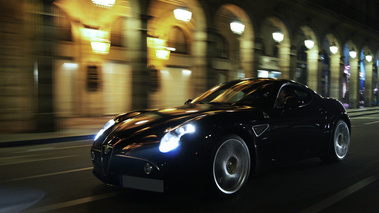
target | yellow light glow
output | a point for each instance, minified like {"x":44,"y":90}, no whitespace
{"x":278,"y":36}
{"x":237,"y":27}
{"x":369,"y":58}
{"x":104,"y":3}
{"x":309,"y":43}
{"x":183,"y":14}
{"x":353,"y":54}
{"x":90,"y":34}
{"x":156,"y":43}
{"x":100,"y":46}
{"x":162,"y":54}
{"x":333,"y":49}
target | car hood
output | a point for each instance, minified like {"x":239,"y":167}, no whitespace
{"x":149,"y":123}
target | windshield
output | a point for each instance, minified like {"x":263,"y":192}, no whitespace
{"x":234,"y":92}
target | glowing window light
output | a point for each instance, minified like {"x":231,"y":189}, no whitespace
{"x":70,"y":65}
{"x":100,"y":46}
{"x":278,"y":36}
{"x":186,"y":72}
{"x":182,"y":14}
{"x":162,"y":54}
{"x":104,"y":3}
{"x":93,"y":33}
{"x":237,"y":27}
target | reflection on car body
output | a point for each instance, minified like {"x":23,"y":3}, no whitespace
{"x":221,"y":137}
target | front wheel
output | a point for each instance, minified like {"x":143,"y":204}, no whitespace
{"x":340,"y":143}
{"x":230,"y":166}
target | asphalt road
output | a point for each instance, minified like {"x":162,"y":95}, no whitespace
{"x":57,"y":178}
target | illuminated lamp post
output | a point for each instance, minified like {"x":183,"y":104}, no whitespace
{"x":353,"y":53}
{"x":333,"y":49}
{"x":183,"y":14}
{"x":237,"y":27}
{"x":309,"y":43}
{"x":369,"y":57}
{"x":278,"y":36}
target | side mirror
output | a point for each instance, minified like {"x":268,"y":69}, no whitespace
{"x":188,"y":102}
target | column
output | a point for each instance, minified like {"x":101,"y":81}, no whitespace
{"x":44,"y":42}
{"x":335,"y":76}
{"x":369,"y":84}
{"x":136,"y":40}
{"x":293,"y":62}
{"x":258,"y":52}
{"x":354,"y":84}
{"x":314,"y":73}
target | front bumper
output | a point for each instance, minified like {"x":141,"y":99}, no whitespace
{"x":147,"y":169}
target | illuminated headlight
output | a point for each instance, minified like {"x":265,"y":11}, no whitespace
{"x":170,"y":140}
{"x":106,"y":126}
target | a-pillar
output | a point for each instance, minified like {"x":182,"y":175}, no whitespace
{"x":354,"y":84}
{"x":368,"y":84}
{"x":335,"y":76}
{"x":43,"y":43}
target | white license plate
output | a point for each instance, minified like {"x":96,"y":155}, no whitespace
{"x":142,"y":183}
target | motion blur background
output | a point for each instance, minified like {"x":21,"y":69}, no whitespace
{"x":88,"y":58}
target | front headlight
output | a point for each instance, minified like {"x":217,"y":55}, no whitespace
{"x":170,"y":140}
{"x":106,"y":126}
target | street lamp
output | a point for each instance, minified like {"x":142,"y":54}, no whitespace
{"x":369,"y":57}
{"x":182,"y":14}
{"x":353,"y":53}
{"x":333,"y":48}
{"x":278,"y":36}
{"x":237,"y":27}
{"x":309,"y":43}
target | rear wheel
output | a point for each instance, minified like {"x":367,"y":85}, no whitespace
{"x":230,"y":166}
{"x":340,"y":142}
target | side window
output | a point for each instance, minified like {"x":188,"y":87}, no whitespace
{"x":299,"y":96}
{"x":258,"y":97}
{"x":302,"y":96}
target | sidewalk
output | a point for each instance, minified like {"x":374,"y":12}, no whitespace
{"x":71,"y":129}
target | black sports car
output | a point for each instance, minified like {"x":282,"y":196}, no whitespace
{"x":221,"y":137}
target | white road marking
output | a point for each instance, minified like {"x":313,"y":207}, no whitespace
{"x":50,"y":174}
{"x":339,"y":196}
{"x":374,"y":122}
{"x":35,"y":160}
{"x":53,"y":207}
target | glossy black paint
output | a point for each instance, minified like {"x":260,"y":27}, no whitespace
{"x":275,"y":131}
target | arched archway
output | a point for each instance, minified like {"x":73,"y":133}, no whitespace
{"x":282,"y":46}
{"x":240,"y":61}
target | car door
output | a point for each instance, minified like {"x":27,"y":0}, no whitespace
{"x":295,"y":123}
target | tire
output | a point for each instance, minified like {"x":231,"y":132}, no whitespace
{"x":230,"y":166}
{"x":339,"y":144}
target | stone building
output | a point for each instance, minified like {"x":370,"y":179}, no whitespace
{"x":82,"y":58}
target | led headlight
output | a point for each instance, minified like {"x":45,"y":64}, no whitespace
{"x":106,"y":126}
{"x":170,"y":140}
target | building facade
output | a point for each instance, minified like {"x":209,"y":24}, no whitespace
{"x":83,"y":58}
